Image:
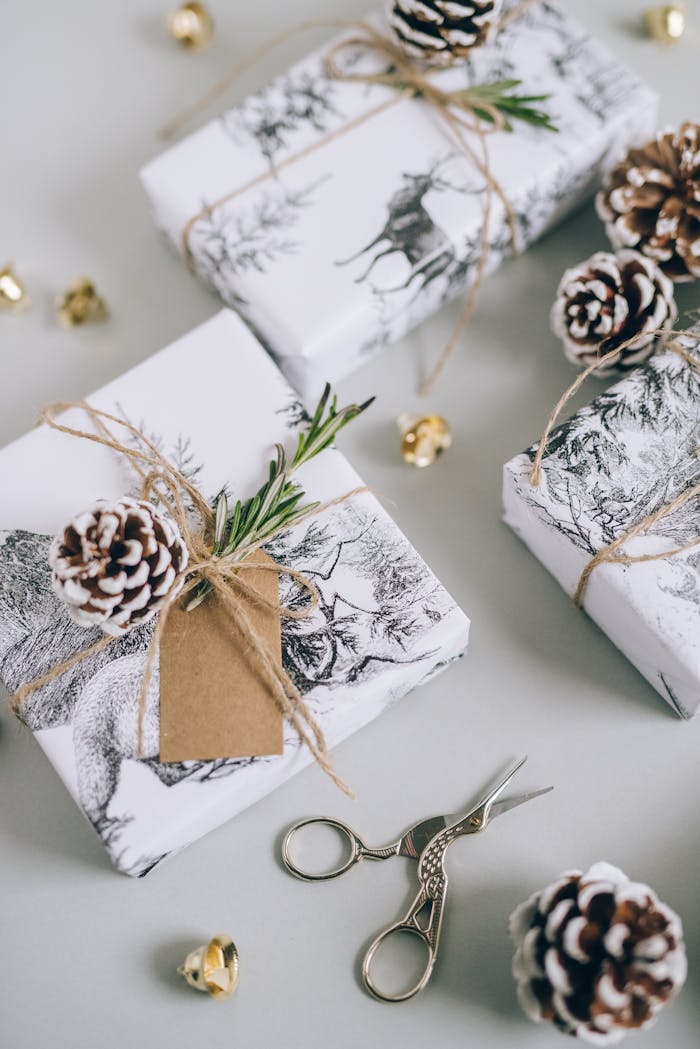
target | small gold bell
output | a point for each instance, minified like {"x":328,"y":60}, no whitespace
{"x":213,"y":967}
{"x":191,"y":25}
{"x":423,"y":438}
{"x":13,"y":294}
{"x":80,"y":303}
{"x":666,"y":24}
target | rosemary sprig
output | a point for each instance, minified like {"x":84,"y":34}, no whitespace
{"x":279,"y":502}
{"x":512,"y":106}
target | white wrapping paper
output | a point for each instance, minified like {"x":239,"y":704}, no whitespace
{"x":628,"y":453}
{"x":346,"y":239}
{"x":384,"y":623}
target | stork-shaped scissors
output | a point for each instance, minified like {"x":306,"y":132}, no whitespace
{"x":427,"y":842}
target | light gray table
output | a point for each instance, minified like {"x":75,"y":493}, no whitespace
{"x":89,"y":956}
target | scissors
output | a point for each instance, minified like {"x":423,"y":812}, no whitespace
{"x":427,"y":842}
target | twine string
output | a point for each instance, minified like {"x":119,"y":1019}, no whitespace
{"x":161,"y":477}
{"x":195,"y":109}
{"x":612,"y":553}
{"x":461,"y":111}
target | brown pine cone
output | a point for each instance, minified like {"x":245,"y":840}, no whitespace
{"x":440,"y":31}
{"x":651,"y":201}
{"x":597,"y":955}
{"x":608,"y":299}
{"x":114,"y":565}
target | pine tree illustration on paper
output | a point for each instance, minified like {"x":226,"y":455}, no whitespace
{"x":349,"y":639}
{"x":625,"y":455}
{"x":179,"y":452}
{"x":274,"y":115}
{"x":594,"y":78}
{"x":233,"y":238}
{"x":294,"y":412}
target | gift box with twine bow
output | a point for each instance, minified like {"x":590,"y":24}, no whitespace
{"x":336,"y":214}
{"x":613,"y":512}
{"x":380,"y":624}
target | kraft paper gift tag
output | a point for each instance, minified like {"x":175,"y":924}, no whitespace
{"x":214,"y":702}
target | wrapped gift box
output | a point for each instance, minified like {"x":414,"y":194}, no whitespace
{"x":628,"y":453}
{"x":384,"y":623}
{"x":347,"y":227}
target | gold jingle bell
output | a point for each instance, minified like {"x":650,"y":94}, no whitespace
{"x":213,"y":967}
{"x":80,"y":303}
{"x":13,"y":294}
{"x":191,"y":25}
{"x":666,"y":24}
{"x":423,"y":438}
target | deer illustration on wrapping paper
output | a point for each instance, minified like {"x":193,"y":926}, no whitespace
{"x":411,"y":231}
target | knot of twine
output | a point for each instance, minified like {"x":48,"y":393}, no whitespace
{"x":613,"y":553}
{"x":162,"y":480}
{"x":405,"y":74}
{"x":462,"y":113}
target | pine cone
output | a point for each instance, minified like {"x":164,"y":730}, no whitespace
{"x":651,"y":201}
{"x":440,"y":31}
{"x":608,"y":299}
{"x":114,"y":565}
{"x":597,"y":955}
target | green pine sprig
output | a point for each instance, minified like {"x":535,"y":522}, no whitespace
{"x":511,"y":105}
{"x":279,"y":502}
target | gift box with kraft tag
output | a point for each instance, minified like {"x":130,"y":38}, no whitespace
{"x":627,"y":455}
{"x":383,"y":623}
{"x":335,"y":216}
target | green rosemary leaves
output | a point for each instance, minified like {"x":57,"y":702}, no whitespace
{"x":279,"y":502}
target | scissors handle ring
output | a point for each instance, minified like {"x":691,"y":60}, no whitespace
{"x":425,"y":926}
{"x":403,"y":996}
{"x":357,"y":849}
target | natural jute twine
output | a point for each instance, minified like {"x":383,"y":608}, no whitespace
{"x":164,"y":481}
{"x":613,"y":553}
{"x":461,"y":113}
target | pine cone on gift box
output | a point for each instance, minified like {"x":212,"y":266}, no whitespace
{"x":440,"y":31}
{"x":608,"y":299}
{"x":651,"y":201}
{"x":597,"y":955}
{"x":114,"y":565}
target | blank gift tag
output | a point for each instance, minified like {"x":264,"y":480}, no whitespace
{"x":213,"y":700}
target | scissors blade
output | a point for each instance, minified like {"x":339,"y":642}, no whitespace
{"x":479,"y":817}
{"x":506,"y":804}
{"x":489,"y":798}
{"x":417,"y":837}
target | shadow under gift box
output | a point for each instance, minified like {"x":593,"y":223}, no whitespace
{"x":359,"y":234}
{"x":628,"y":453}
{"x":384,"y":623}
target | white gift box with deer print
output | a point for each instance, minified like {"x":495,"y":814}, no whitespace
{"x":383,"y":624}
{"x":630,"y":452}
{"x":340,"y":228}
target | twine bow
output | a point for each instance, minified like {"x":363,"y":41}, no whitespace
{"x":163,"y":481}
{"x":464,"y":112}
{"x":613,"y":552}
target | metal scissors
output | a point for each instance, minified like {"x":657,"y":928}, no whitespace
{"x":427,"y":842}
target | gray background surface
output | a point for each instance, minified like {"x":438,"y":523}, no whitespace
{"x":89,"y":956}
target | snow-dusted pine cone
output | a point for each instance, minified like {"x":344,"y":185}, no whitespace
{"x":441,"y":31}
{"x":597,"y":955}
{"x":651,"y":201}
{"x":608,"y":299}
{"x":114,"y":565}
